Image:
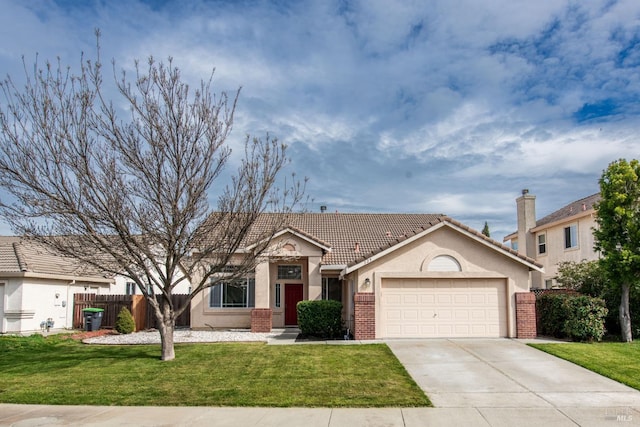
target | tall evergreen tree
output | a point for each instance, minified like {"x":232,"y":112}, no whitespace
{"x":485,"y":229}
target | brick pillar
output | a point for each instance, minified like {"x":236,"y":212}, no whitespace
{"x":365,"y":316}
{"x":526,"y":315}
{"x":261,"y":319}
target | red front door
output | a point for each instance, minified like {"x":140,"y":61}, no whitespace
{"x":292,"y":295}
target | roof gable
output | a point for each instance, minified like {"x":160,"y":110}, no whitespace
{"x":301,"y":235}
{"x":459,"y":227}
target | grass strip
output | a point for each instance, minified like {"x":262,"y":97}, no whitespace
{"x":615,"y":360}
{"x":54,"y":370}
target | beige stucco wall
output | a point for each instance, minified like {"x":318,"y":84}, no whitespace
{"x":305,"y":253}
{"x":475,"y":258}
{"x":555,"y":247}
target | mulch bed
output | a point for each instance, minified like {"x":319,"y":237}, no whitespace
{"x":79,"y":336}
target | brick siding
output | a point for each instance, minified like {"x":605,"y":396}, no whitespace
{"x":365,"y":316}
{"x":261,"y":319}
{"x":526,"y":315}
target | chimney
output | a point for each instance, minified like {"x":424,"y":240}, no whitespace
{"x":526,"y":208}
{"x":323,"y":209}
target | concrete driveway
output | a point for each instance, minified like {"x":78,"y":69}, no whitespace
{"x":499,"y":376}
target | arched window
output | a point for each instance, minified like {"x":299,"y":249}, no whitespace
{"x":289,"y":247}
{"x":444,"y":263}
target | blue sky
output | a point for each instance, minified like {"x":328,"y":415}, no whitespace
{"x":447,"y":106}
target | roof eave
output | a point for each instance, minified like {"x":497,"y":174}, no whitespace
{"x":295,"y":233}
{"x":510,"y":237}
{"x":333,"y":267}
{"x":49,"y":276}
{"x":557,"y":222}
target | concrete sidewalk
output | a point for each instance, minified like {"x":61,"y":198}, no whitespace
{"x":37,"y":415}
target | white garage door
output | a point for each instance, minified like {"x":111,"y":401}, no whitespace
{"x":439,"y":308}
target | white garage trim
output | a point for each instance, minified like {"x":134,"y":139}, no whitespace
{"x":443,"y":307}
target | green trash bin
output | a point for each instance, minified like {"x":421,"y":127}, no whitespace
{"x":92,"y":318}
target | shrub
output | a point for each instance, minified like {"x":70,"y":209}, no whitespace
{"x":588,"y":277}
{"x":124,"y":322}
{"x":585,"y":318}
{"x":322,"y":319}
{"x":550,"y":313}
{"x":579,"y":317}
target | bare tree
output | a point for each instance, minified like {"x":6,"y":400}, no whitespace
{"x":130,"y":196}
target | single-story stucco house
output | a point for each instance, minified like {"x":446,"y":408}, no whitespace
{"x":37,"y":286}
{"x":397,"y":276}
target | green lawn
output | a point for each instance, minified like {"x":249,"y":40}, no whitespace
{"x":61,"y":371}
{"x":618,"y":361}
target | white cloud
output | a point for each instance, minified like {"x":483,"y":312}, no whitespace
{"x":449,"y":105}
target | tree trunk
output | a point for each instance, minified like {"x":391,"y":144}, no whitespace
{"x":167,"y":326}
{"x":625,"y":316}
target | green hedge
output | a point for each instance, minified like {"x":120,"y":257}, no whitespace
{"x":579,"y":317}
{"x":322,"y":319}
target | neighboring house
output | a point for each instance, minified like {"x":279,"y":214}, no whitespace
{"x":563,"y":235}
{"x":397,"y":276}
{"x":125,"y":286}
{"x":37,"y":287}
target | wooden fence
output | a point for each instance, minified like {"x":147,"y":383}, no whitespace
{"x":136,"y":304}
{"x":183,"y":321}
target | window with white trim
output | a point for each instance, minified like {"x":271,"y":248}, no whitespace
{"x":238,"y":293}
{"x":278,"y":295}
{"x":571,"y":237}
{"x":542,"y":244}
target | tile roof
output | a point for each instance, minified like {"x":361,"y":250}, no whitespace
{"x":22,"y":256}
{"x":351,"y":237}
{"x":354,"y":237}
{"x":570,"y":210}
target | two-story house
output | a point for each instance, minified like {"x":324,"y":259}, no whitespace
{"x":564,"y":235}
